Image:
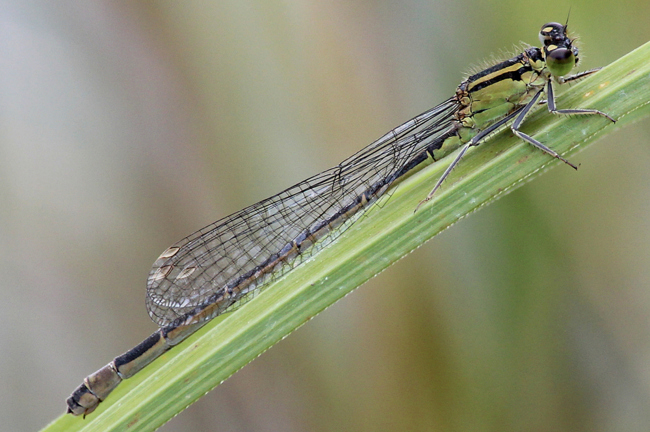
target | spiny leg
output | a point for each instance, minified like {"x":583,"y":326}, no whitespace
{"x":571,"y":78}
{"x":580,"y":111}
{"x":528,"y":138}
{"x":578,"y":76}
{"x":476,"y":140}
{"x":444,"y":175}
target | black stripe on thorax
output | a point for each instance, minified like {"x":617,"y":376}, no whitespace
{"x":511,"y":69}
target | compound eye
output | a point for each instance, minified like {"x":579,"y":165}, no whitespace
{"x":560,"y":55}
{"x":560,"y":60}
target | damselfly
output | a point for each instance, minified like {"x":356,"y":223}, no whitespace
{"x":217,"y":268}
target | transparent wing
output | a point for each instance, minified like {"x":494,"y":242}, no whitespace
{"x":228,"y":261}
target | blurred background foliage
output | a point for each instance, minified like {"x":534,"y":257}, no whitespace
{"x":126,"y":126}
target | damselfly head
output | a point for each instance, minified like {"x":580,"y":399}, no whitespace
{"x":560,"y":54}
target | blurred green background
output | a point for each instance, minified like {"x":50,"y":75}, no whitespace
{"x":126,"y":126}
